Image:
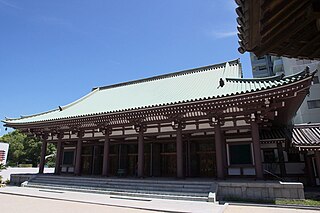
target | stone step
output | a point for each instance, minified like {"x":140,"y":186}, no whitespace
{"x":136,"y":184}
{"x":153,"y":188}
{"x":141,"y":189}
{"x":125,"y":187}
{"x":113,"y":191}
{"x":95,"y":179}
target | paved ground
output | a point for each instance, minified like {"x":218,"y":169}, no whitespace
{"x":58,"y":201}
{"x":254,"y":209}
{"x":32,"y":200}
{"x":20,"y":204}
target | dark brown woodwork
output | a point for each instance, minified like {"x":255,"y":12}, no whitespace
{"x":179,"y":145}
{"x":43,"y":155}
{"x":120,"y":137}
{"x":178,"y":125}
{"x":317,"y":160}
{"x":140,"y":129}
{"x":59,"y":154}
{"x":106,"y":148}
{"x":281,"y":160}
{"x":254,"y":21}
{"x":78,"y":154}
{"x":224,"y":153}
{"x":140,"y":154}
{"x":256,"y":149}
{"x":311,"y":180}
{"x":219,"y":151}
{"x":279,"y":36}
{"x":285,"y":28}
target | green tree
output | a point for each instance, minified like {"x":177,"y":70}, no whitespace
{"x":24,"y":149}
{"x":2,"y":167}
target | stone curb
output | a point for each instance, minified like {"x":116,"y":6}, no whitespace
{"x":225,"y":206}
{"x":275,"y":206}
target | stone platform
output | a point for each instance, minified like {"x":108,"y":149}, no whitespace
{"x":195,"y":189}
{"x":260,"y":190}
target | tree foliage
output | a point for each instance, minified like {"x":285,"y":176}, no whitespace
{"x":24,"y":149}
{"x":2,"y":167}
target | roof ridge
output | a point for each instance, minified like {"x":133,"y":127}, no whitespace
{"x":29,"y":116}
{"x":274,"y":78}
{"x":317,"y":125}
{"x":170,"y":75}
{"x":80,"y":99}
{"x":270,"y":78}
{"x":57,"y":109}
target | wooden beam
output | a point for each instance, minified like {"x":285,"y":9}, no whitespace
{"x":279,"y":34}
{"x":274,"y":14}
{"x":254,"y":23}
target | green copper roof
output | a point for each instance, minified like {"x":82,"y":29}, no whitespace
{"x":190,"y":85}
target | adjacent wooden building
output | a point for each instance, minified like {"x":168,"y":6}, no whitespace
{"x":283,"y":28}
{"x":203,"y":122}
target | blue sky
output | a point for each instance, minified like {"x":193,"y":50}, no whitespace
{"x":54,"y":52}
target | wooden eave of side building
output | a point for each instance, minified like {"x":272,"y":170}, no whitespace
{"x":282,"y":28}
{"x":306,"y":136}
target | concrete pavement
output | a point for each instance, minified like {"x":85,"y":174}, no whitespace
{"x":257,"y":209}
{"x":66,"y":199}
{"x":32,"y":200}
{"x":22,"y":204}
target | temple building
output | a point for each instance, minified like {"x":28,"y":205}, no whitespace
{"x":203,"y":122}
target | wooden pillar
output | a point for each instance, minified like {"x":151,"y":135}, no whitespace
{"x":140,"y":129}
{"x":43,"y":154}
{"x":219,"y":151}
{"x":106,"y":148}
{"x":281,"y":160}
{"x":156,"y":159}
{"x":311,"y":179}
{"x":77,"y":169}
{"x":178,"y":125}
{"x":140,"y":153}
{"x":224,"y":154}
{"x":256,"y":149}
{"x":179,"y":146}
{"x":59,"y":154}
{"x":317,"y":160}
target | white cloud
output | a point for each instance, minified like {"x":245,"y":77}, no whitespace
{"x":9,"y":4}
{"x":224,"y":34}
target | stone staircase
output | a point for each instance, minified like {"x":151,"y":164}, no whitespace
{"x":196,"y":190}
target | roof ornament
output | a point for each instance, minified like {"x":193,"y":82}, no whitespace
{"x":221,"y":83}
{"x":253,"y":117}
{"x":307,"y":70}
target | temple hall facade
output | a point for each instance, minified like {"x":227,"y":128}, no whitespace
{"x":204,"y":122}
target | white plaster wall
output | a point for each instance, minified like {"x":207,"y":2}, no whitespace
{"x":15,"y":170}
